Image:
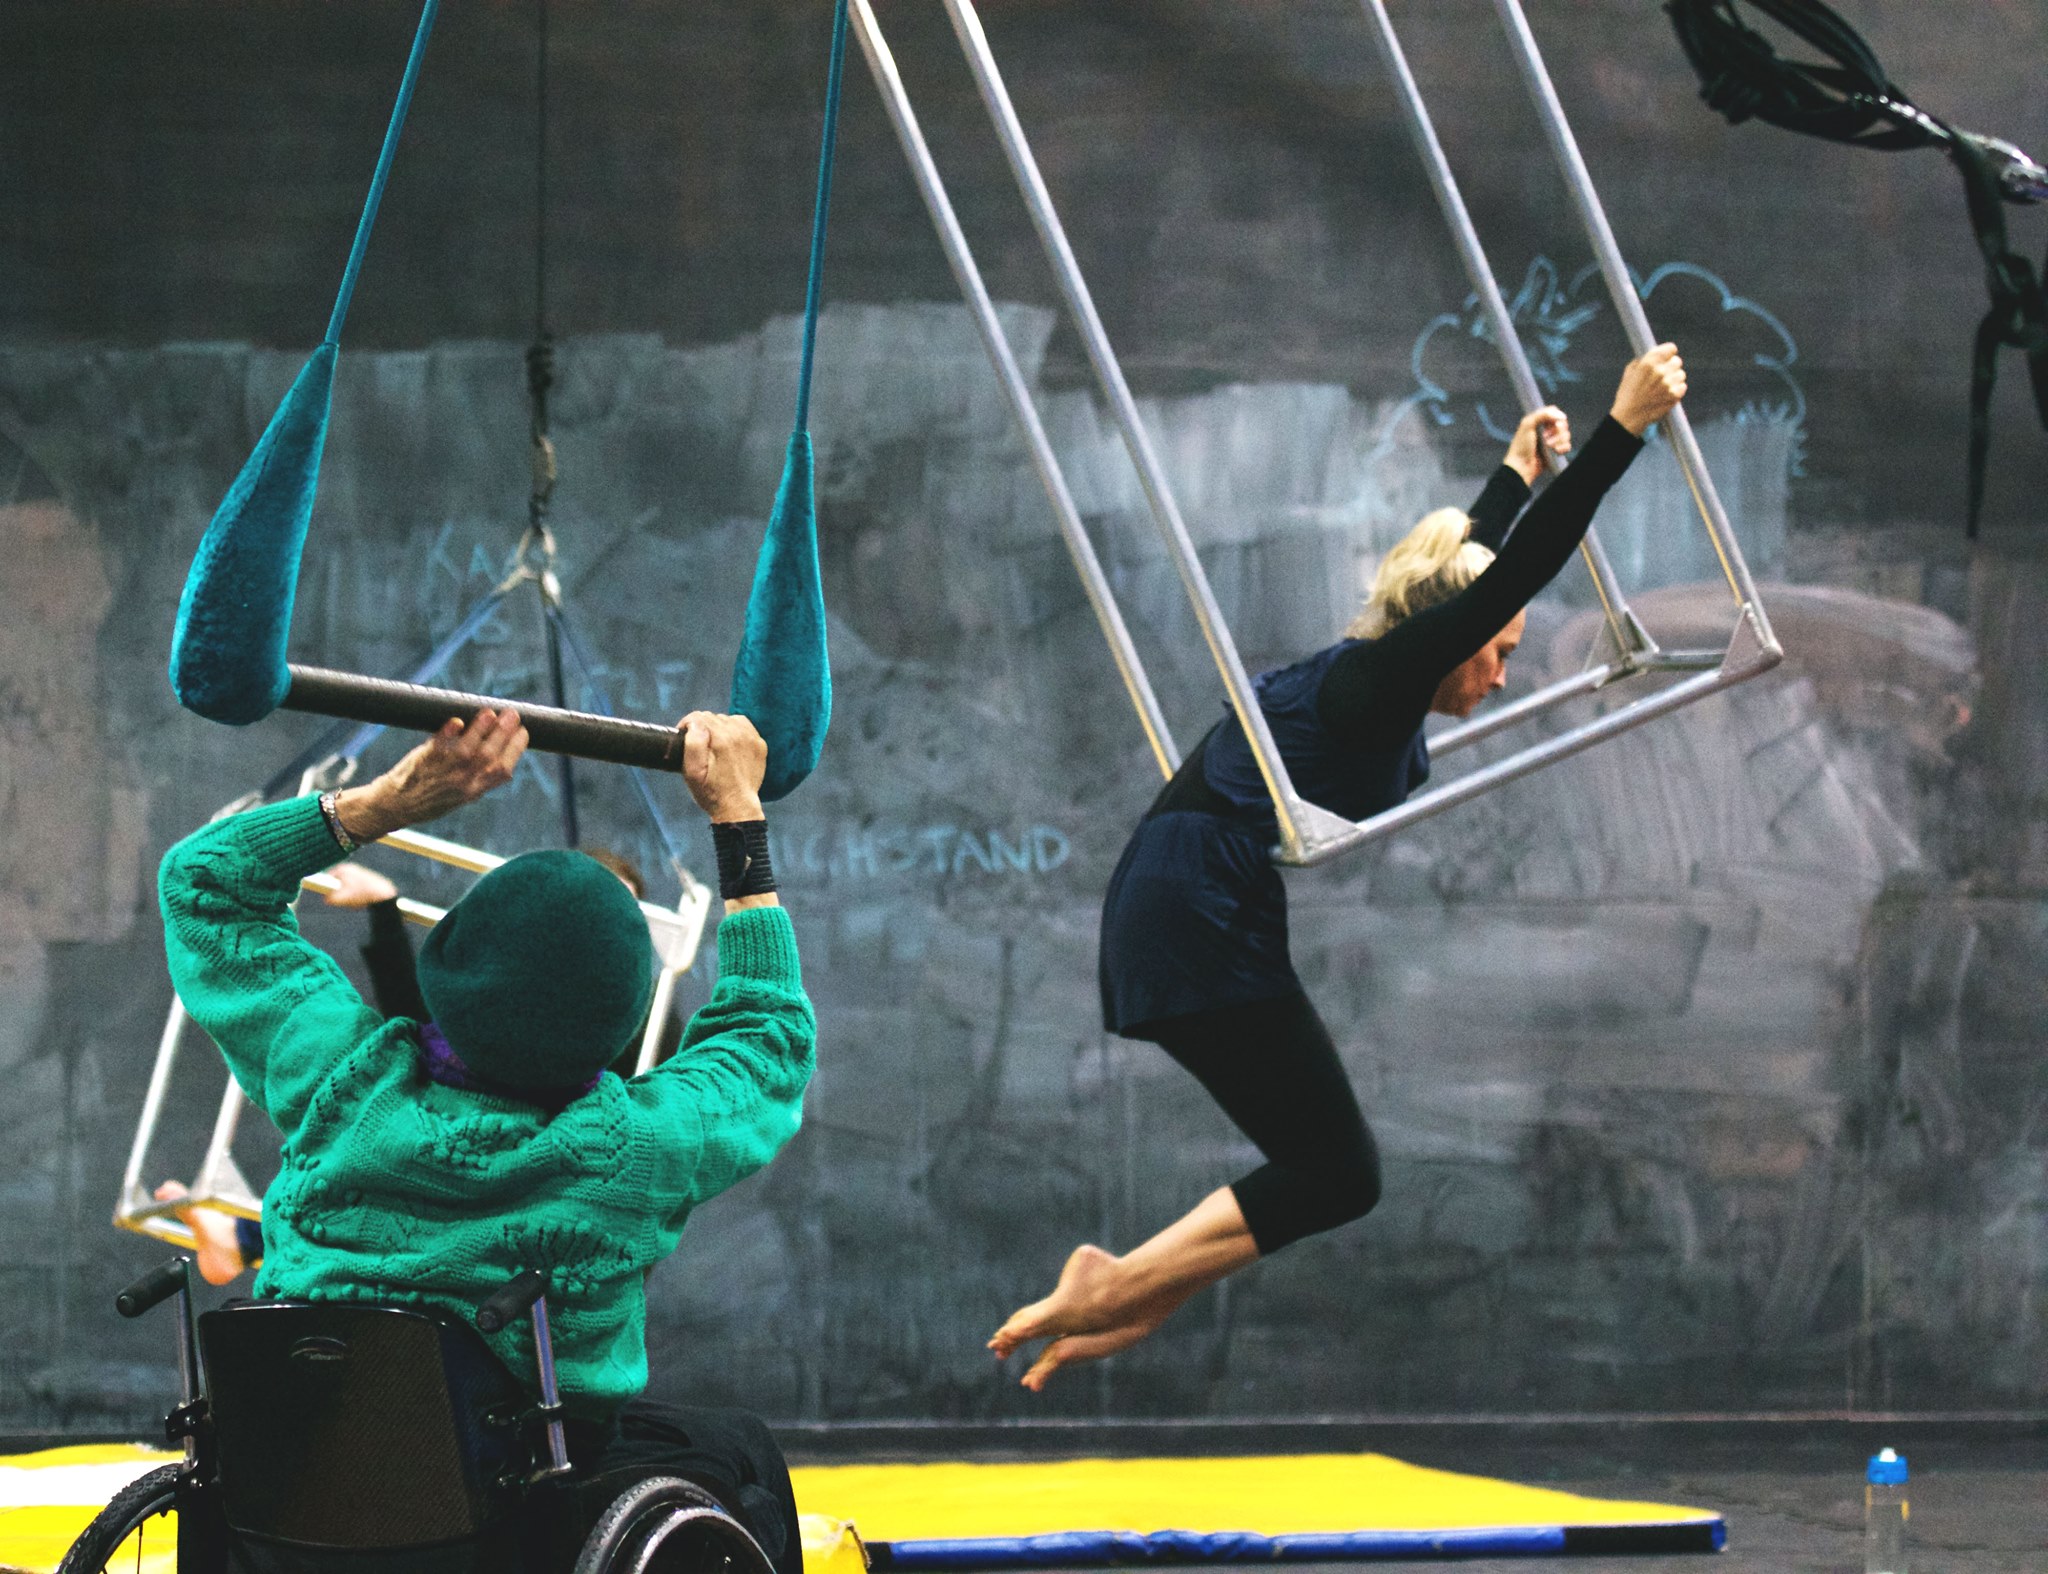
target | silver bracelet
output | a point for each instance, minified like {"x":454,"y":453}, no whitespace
{"x":343,"y":840}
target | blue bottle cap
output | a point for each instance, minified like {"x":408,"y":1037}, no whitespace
{"x":1887,"y":1469}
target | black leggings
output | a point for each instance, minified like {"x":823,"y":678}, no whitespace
{"x":1272,"y":1067}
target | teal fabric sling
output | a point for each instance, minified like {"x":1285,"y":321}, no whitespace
{"x":782,"y":677}
{"x":228,"y":649}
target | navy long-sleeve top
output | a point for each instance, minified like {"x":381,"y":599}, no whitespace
{"x":1196,"y":915}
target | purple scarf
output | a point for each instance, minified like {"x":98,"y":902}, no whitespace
{"x":441,"y":1064}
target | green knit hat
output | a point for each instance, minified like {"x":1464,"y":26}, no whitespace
{"x":542,"y":974}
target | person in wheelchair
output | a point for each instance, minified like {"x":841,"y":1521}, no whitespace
{"x":426,"y":1163}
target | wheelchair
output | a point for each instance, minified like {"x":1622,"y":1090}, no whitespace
{"x":357,"y":1438}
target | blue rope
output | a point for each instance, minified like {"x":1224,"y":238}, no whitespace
{"x":391,"y":134}
{"x":814,"y":291}
{"x":565,"y":766}
{"x":601,"y":702}
{"x":430,"y":669}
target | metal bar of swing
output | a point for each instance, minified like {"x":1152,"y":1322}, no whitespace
{"x":1590,"y":680}
{"x":1635,"y":651}
{"x":1621,"y":287}
{"x":1292,"y":813}
{"x":882,"y":66}
{"x":1310,"y":835}
{"x":1753,"y":648}
{"x":1746,"y":658}
{"x":1628,"y":634}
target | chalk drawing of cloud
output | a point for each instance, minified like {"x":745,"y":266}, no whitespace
{"x":1456,"y":364}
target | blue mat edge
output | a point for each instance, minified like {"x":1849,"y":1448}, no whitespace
{"x":1099,"y":1547}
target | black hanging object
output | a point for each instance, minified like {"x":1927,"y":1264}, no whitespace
{"x":1852,"y":100}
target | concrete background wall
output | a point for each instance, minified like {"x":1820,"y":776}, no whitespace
{"x":1708,"y":1066}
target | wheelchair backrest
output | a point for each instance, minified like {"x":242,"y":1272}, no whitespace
{"x":344,"y":1425}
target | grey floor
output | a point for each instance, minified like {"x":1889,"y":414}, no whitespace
{"x":1963,"y":1522}
{"x":1791,"y":1491}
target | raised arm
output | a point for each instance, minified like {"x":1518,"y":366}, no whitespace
{"x":732,"y":1094}
{"x":281,"y":1010}
{"x":1507,"y":490}
{"x":1387,"y":683}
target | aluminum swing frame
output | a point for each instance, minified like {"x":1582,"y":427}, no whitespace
{"x":1310,"y":835}
{"x":677,"y":934}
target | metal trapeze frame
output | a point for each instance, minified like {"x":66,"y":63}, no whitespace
{"x":219,"y":1184}
{"x":1311,"y":835}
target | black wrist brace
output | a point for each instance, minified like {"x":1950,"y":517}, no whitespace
{"x":743,"y":868}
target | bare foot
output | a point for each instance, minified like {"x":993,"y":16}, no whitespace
{"x":1097,"y":1309}
{"x":357,"y":885}
{"x":1076,"y":1348}
{"x":1086,"y":1299}
{"x":217,"y":1246}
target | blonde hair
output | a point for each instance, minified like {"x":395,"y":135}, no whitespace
{"x":1427,"y":566}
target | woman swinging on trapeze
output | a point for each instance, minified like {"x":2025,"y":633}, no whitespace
{"x":1194,"y":924}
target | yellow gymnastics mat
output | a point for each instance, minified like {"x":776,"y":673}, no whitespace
{"x":1068,"y":1513}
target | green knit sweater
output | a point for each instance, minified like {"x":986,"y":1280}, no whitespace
{"x":396,"y":1188}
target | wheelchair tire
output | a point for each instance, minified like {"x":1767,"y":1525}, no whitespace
{"x":666,"y":1525}
{"x":133,"y":1506}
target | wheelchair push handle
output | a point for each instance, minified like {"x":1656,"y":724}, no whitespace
{"x":528,"y":1294}
{"x":154,"y":1287}
{"x":515,"y":1298}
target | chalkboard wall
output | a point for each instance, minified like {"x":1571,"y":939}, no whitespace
{"x":1708,"y":1067}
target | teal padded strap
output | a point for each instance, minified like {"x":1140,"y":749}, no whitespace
{"x":234,"y":619}
{"x":235,"y":616}
{"x":782,"y":676}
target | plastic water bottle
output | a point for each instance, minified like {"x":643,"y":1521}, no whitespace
{"x":1884,"y":1514}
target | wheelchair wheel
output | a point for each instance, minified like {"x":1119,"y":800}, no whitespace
{"x":666,"y":1525}
{"x":142,"y":1500}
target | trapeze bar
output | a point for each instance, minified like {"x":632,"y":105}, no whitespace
{"x":1622,"y":288}
{"x":424,"y":914}
{"x":1739,"y":666}
{"x":132,"y":1193}
{"x":1288,"y":808}
{"x":882,"y":65}
{"x":1629,"y":635}
{"x":454,"y":854}
{"x":409,"y":705}
{"x":657,"y":1018}
{"x":1684,"y":661}
{"x":1590,"y":681}
{"x":219,"y":1167}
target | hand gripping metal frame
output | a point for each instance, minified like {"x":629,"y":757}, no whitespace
{"x":1308,"y":834}
{"x":676,"y":932}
